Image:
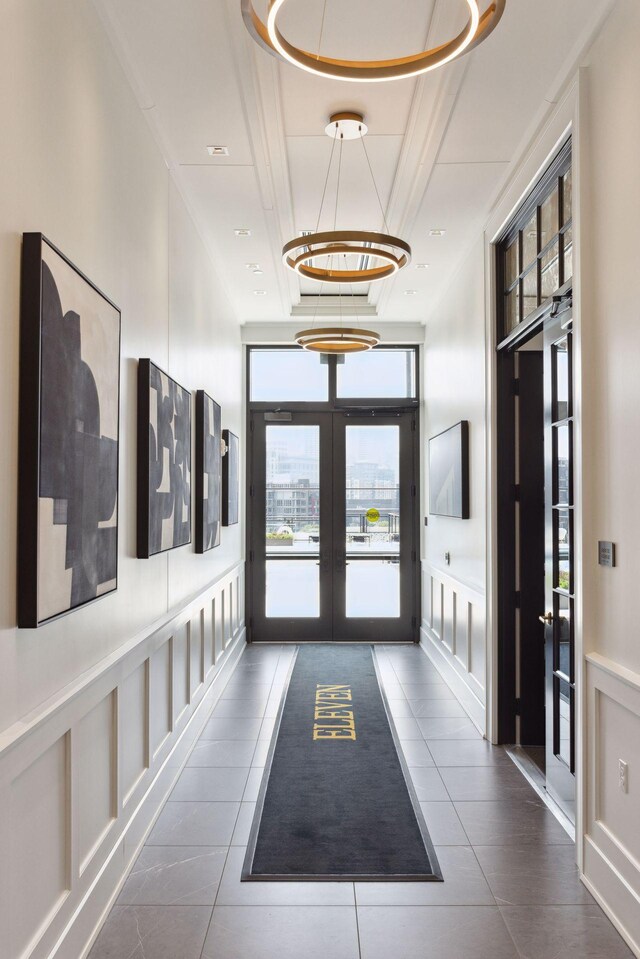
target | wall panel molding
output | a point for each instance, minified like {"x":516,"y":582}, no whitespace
{"x":612,"y":827}
{"x":85,"y":776}
{"x":453,"y":637}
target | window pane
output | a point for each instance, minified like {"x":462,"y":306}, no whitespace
{"x":563,"y":634}
{"x":511,"y":265}
{"x":549,"y":272}
{"x":373,"y":588}
{"x":564,"y":720}
{"x":561,"y":363}
{"x":562,"y":548}
{"x":562,"y":441}
{"x":293,"y":489}
{"x":292,"y":588}
{"x":530,"y":241}
{"x":549,"y":219}
{"x":566,"y":197}
{"x":378,"y":373}
{"x":568,"y":254}
{"x":288,"y":375}
{"x":512,"y":309}
{"x":530,"y":291}
{"x":372,"y":520}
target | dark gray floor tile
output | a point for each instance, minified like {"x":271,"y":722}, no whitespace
{"x":441,"y":932}
{"x":243,"y":825}
{"x":240,"y":708}
{"x":533,"y":875}
{"x":212,"y":752}
{"x":564,"y":932}
{"x":175,"y":875}
{"x":282,"y":932}
{"x":416,"y":753}
{"x":210,"y":784}
{"x":446,"y":727}
{"x":152,"y":932}
{"x":233,"y":892}
{"x":437,"y":707}
{"x":510,"y":822}
{"x":195,"y":824}
{"x":229,"y":727}
{"x":443,"y":824}
{"x":466,"y":753}
{"x":503,"y":781}
{"x":428,"y":784}
{"x":464,"y":885}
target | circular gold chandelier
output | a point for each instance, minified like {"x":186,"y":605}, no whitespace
{"x":477,"y":29}
{"x":337,"y":339}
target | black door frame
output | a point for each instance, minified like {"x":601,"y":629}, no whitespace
{"x":361,"y":410}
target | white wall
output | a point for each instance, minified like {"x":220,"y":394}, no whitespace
{"x":610,"y":310}
{"x":601,"y":101}
{"x":92,"y":706}
{"x":453,"y":606}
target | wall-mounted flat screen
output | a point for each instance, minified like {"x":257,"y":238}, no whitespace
{"x":449,"y":472}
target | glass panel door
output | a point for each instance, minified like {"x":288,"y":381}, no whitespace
{"x":290,"y":501}
{"x":374,"y":528}
{"x":559,"y":579}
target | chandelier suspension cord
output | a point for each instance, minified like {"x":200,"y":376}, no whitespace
{"x":326,"y":182}
{"x":324,"y":10}
{"x":375,"y":186}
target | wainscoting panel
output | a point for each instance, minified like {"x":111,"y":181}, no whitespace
{"x":84,"y":778}
{"x":612,"y":840}
{"x":453,"y":636}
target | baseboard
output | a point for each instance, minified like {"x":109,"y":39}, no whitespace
{"x":106,"y":889}
{"x":626,"y":917}
{"x":468,"y":699}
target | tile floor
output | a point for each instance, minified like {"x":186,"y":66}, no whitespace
{"x":511,"y":889}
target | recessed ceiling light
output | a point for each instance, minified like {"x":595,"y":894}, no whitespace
{"x":422,"y":266}
{"x":242,"y":232}
{"x":252,"y":266}
{"x":218,"y":151}
{"x":410,"y":292}
{"x":259,"y":292}
{"x":257,"y":272}
{"x":437,"y":232}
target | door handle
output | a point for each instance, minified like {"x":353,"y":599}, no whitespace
{"x":547,"y":619}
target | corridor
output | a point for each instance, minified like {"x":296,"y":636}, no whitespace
{"x":510,"y":890}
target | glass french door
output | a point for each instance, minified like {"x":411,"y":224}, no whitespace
{"x":558,"y":616}
{"x":332,"y":502}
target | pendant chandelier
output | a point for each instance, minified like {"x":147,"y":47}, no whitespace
{"x":477,"y":29}
{"x":350,"y":256}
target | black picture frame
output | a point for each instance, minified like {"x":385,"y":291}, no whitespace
{"x":449,"y":472}
{"x":208,"y":466}
{"x":164,"y":484}
{"x":69,"y":429}
{"x":230,"y":479}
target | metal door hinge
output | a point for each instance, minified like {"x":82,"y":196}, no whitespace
{"x":252,"y":489}
{"x":413,"y":489}
{"x":251,"y":556}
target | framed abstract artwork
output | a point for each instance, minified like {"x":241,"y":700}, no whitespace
{"x":164,"y":462}
{"x":230,"y":478}
{"x":68,"y":440}
{"x":208,"y":472}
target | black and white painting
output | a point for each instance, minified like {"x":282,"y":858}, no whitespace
{"x":208,"y":472}
{"x":69,"y":402}
{"x":164,"y":461}
{"x":230,"y":478}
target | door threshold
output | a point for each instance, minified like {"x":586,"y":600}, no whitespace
{"x":534,"y":776}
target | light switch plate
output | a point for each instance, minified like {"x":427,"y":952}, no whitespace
{"x":606,"y":553}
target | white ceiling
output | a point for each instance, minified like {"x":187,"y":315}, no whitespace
{"x":439,"y":146}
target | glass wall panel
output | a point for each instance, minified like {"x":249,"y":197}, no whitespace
{"x":549,"y":224}
{"x":568,"y":254}
{"x":292,"y":588}
{"x":292,"y":489}
{"x":288,"y":376}
{"x":372,"y":520}
{"x":512,"y":261}
{"x":379,"y":373}
{"x":530,"y":241}
{"x":373,"y":588}
{"x":566,"y":197}
{"x":549,"y":272}
{"x":561,"y":362}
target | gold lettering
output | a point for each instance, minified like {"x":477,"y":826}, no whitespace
{"x":331,"y":702}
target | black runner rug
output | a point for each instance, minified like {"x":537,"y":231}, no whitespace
{"x":336,"y":801}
